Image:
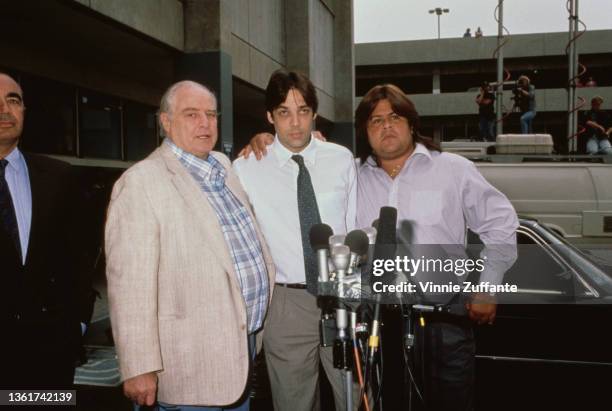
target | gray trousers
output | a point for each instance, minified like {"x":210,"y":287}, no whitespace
{"x":291,"y":344}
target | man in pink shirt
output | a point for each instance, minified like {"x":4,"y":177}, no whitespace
{"x":437,"y":196}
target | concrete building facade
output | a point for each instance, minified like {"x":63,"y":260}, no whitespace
{"x":93,"y":71}
{"x":443,"y":76}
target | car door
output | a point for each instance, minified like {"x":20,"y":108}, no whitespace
{"x":550,"y":340}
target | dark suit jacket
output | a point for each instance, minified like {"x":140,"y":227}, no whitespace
{"x":43,"y":302}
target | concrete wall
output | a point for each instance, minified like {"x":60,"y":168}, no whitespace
{"x":78,"y":47}
{"x":227,"y":40}
{"x":460,"y":49}
{"x":159,"y":19}
{"x":322,"y":49}
{"x":452,"y":104}
{"x":301,"y":35}
{"x":257,"y":42}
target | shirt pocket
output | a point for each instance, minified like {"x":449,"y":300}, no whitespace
{"x":425,"y":206}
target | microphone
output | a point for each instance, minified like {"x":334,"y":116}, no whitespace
{"x":337,"y":239}
{"x":341,"y":257}
{"x":319,"y":241}
{"x":386,"y":235}
{"x":367,"y":265}
{"x":375,"y":223}
{"x":357,"y":241}
{"x":371,"y":233}
{"x":384,"y":249}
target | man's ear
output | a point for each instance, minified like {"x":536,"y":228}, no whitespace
{"x":270,"y":118}
{"x":314,"y":116}
{"x":165,"y":120}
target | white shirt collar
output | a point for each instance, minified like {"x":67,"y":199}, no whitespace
{"x":419,"y":149}
{"x":283,"y":155}
{"x":16,"y":160}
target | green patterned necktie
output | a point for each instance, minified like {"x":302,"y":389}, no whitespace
{"x":309,"y":216}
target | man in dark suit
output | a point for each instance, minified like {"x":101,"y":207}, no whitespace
{"x":45,"y":299}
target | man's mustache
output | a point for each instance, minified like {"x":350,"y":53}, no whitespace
{"x":7,"y":117}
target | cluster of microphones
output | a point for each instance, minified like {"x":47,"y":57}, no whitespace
{"x":344,"y":261}
{"x":350,"y":309}
{"x":344,"y":268}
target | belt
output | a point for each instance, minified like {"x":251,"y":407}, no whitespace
{"x":296,"y":286}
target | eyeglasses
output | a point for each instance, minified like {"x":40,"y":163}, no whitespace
{"x":379,"y":121}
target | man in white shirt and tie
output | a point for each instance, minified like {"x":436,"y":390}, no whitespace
{"x":303,"y":181}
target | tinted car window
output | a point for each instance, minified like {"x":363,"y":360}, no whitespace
{"x":538,"y":270}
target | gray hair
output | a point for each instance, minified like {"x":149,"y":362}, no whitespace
{"x":166,"y":105}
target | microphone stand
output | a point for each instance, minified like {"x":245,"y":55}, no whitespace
{"x":408,"y":347}
{"x":414,"y":310}
{"x":341,"y":259}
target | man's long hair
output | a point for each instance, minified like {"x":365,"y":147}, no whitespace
{"x":401,"y":105}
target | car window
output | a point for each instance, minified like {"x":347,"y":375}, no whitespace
{"x":538,"y":270}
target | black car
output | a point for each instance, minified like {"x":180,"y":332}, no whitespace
{"x":550,"y":346}
{"x":554,"y":351}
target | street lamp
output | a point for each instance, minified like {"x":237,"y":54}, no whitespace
{"x":439,"y":11}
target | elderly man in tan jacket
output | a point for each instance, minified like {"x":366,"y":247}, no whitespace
{"x":189,"y":274}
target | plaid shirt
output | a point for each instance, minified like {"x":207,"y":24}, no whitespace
{"x":238,"y":231}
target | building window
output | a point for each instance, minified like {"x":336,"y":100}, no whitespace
{"x":62,"y":119}
{"x":50,"y":125}
{"x":140,"y":130}
{"x":99,"y":126}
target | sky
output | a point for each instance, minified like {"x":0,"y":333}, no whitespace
{"x":393,"y":20}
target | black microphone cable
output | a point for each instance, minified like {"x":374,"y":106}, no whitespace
{"x":409,"y":357}
{"x":384,"y":249}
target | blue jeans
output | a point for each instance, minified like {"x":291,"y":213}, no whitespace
{"x":244,"y":405}
{"x":596,"y":146}
{"x":527,"y":122}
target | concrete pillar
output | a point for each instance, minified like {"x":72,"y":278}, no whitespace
{"x":436,"y":81}
{"x":344,"y":72}
{"x":437,"y":133}
{"x":207,"y":60}
{"x":298,"y":39}
{"x":300,"y":46}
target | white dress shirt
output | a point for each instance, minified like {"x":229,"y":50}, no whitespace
{"x":271,"y":184}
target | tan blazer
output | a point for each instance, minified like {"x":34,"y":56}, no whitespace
{"x":175,"y":302}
